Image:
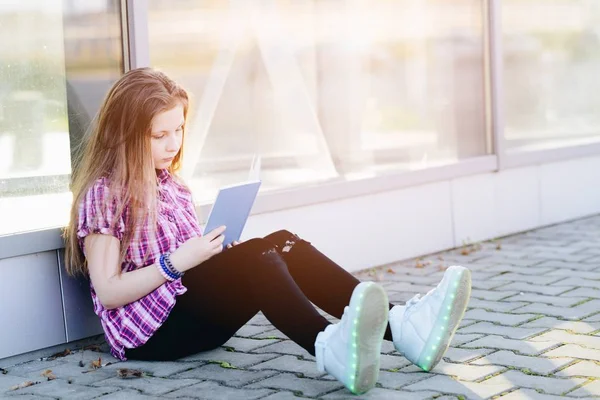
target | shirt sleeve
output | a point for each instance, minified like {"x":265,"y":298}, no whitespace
{"x":97,"y":212}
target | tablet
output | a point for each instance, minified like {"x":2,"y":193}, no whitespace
{"x":232,"y":209}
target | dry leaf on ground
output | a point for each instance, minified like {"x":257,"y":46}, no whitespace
{"x":129,"y":373}
{"x":22,"y":385}
{"x":96,"y":363}
{"x":63,"y":353}
{"x":48,"y":374}
{"x":391,"y":271}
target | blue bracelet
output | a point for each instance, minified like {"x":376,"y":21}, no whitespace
{"x":166,"y":269}
{"x":174,"y":271}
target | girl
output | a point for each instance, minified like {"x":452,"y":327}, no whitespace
{"x":163,"y":290}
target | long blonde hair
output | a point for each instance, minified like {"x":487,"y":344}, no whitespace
{"x":118,"y":148}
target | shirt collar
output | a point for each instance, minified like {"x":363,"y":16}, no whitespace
{"x":163,"y":175}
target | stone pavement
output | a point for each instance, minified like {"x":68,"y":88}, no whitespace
{"x":529,"y":333}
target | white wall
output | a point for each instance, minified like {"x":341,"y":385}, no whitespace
{"x":382,"y":228}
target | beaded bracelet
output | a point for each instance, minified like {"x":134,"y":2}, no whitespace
{"x":169,"y":273}
{"x":174,"y":271}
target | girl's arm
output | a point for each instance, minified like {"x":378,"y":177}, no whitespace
{"x":115,"y":289}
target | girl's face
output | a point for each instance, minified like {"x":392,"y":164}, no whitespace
{"x":167,"y":134}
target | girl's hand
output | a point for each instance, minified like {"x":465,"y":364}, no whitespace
{"x":234,"y":243}
{"x":198,"y":249}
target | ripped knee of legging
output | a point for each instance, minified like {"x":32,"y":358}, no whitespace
{"x":284,"y":241}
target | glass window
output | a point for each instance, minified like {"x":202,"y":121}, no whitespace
{"x":323,"y":89}
{"x":58,"y":60}
{"x":551,"y":64}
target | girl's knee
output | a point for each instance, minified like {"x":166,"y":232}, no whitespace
{"x":258,"y":247}
{"x":283,"y":240}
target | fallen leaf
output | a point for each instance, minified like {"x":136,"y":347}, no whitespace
{"x":96,"y":363}
{"x":465,"y":252}
{"x":442,"y":267}
{"x":93,"y":347}
{"x":48,"y":374}
{"x":129,"y":373}
{"x":63,"y":353}
{"x":391,"y":271}
{"x":22,"y":385}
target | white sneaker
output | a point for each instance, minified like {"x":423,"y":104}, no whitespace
{"x":423,"y":328}
{"x":350,"y":349}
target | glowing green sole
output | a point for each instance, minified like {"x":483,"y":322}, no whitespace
{"x":451,"y":313}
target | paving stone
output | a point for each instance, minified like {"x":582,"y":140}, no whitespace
{"x":281,"y":396}
{"x":470,"y":390}
{"x":308,"y":387}
{"x":463,"y":372}
{"x":259,"y":319}
{"x":128,"y":394}
{"x":227,"y":376}
{"x":73,"y":373}
{"x":533,"y":279}
{"x":574,"y":351}
{"x":497,"y":306}
{"x":510,"y":332}
{"x":460,"y":338}
{"x":592,"y":342}
{"x":148,"y":384}
{"x":589,"y":389}
{"x":585,"y":292}
{"x":539,"y":365}
{"x":383,"y":394}
{"x":487,"y":284}
{"x":253,"y":330}
{"x":27,"y":368}
{"x":291,"y":364}
{"x":393,"y":361}
{"x":573,"y":313}
{"x":242,"y":360}
{"x":396,"y":380}
{"x":212,"y":390}
{"x":578,"y":282}
{"x":8,"y":381}
{"x":528,"y":288}
{"x":491,"y":295}
{"x":270,"y":334}
{"x":530,"y":270}
{"x":558,"y":301}
{"x":526,"y":347}
{"x":576,"y":272}
{"x":285,"y":347}
{"x":554,"y":323}
{"x":248,"y":345}
{"x":61,"y":389}
{"x":548,"y":385}
{"x":592,"y":318}
{"x":30,"y":397}
{"x":530,"y":394}
{"x":501,"y":318}
{"x":457,"y":355}
{"x":582,"y":368}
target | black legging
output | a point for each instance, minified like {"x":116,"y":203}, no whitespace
{"x":279,"y":275}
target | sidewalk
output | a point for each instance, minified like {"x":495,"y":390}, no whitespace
{"x":529,"y":333}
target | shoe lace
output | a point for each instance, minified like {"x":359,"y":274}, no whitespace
{"x":410,"y":304}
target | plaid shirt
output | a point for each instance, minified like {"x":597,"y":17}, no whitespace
{"x":131,"y":325}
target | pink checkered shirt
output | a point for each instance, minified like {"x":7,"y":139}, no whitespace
{"x":131,"y":326}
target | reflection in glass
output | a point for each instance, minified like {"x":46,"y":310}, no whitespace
{"x":324,"y":89}
{"x":551,"y":64}
{"x":58,"y":60}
